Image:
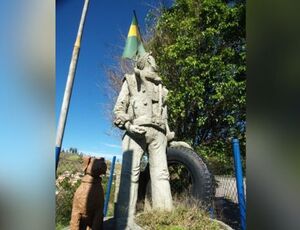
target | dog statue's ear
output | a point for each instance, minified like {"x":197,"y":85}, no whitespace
{"x":86,"y":161}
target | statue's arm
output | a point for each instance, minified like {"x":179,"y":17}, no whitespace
{"x":121,"y":107}
{"x":170,"y":135}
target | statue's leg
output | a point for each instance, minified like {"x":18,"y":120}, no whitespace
{"x":159,"y":173}
{"x":133,"y":150}
{"x":75,"y":221}
{"x":97,"y":220}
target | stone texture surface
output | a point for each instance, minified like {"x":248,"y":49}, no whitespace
{"x":87,"y":209}
{"x":141,"y":110}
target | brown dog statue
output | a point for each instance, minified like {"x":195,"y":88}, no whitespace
{"x":87,"y":211}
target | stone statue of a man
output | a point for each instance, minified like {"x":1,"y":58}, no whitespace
{"x":140,"y":110}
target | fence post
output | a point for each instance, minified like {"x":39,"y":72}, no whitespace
{"x":108,"y":188}
{"x":239,"y":181}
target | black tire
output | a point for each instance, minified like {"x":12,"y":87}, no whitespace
{"x":193,"y":180}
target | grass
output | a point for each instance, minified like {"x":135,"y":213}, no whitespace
{"x":69,"y":162}
{"x":60,"y":226}
{"x":183,"y":217}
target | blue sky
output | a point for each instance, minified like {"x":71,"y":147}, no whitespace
{"x":87,"y":123}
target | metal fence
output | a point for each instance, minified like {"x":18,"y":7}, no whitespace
{"x":226,"y":206}
{"x":226,"y":188}
{"x":229,"y":201}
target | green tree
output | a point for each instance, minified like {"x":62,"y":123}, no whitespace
{"x":200,"y":49}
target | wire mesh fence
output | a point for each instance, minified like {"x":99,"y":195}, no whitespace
{"x":225,"y":200}
{"x":226,"y":188}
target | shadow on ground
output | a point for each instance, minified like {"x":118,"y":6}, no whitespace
{"x":108,"y":224}
{"x":228,"y":212}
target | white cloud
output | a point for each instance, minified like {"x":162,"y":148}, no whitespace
{"x":112,"y":145}
{"x":107,"y":156}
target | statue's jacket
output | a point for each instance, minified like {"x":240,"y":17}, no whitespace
{"x":138,"y":103}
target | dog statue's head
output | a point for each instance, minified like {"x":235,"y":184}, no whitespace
{"x":94,"y":166}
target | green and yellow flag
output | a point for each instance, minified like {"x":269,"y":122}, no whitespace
{"x":134,"y":44}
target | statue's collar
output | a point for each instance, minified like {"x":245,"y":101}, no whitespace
{"x":90,"y":179}
{"x":156,"y":80}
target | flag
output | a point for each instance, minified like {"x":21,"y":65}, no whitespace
{"x":134,"y":44}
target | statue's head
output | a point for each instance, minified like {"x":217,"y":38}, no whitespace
{"x":94,"y":166}
{"x":146,"y":60}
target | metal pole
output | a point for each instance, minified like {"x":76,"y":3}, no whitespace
{"x":137,"y":24}
{"x":239,"y":181}
{"x":107,"y":195}
{"x":69,"y":86}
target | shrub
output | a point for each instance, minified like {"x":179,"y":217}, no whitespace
{"x":64,"y":199}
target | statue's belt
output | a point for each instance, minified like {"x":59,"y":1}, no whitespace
{"x":151,"y":122}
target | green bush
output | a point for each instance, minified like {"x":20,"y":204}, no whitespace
{"x":200,"y":48}
{"x":64,"y":200}
{"x":219,"y":159}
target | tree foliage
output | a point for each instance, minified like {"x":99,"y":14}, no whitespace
{"x":199,"y":47}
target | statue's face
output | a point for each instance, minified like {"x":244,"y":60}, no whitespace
{"x":147,"y":61}
{"x":151,"y":62}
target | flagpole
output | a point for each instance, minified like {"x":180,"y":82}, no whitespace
{"x":69,"y":86}
{"x":160,"y":85}
{"x":137,"y":23}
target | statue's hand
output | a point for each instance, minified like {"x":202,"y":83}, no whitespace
{"x":136,"y":70}
{"x":170,"y":136}
{"x":135,"y":129}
